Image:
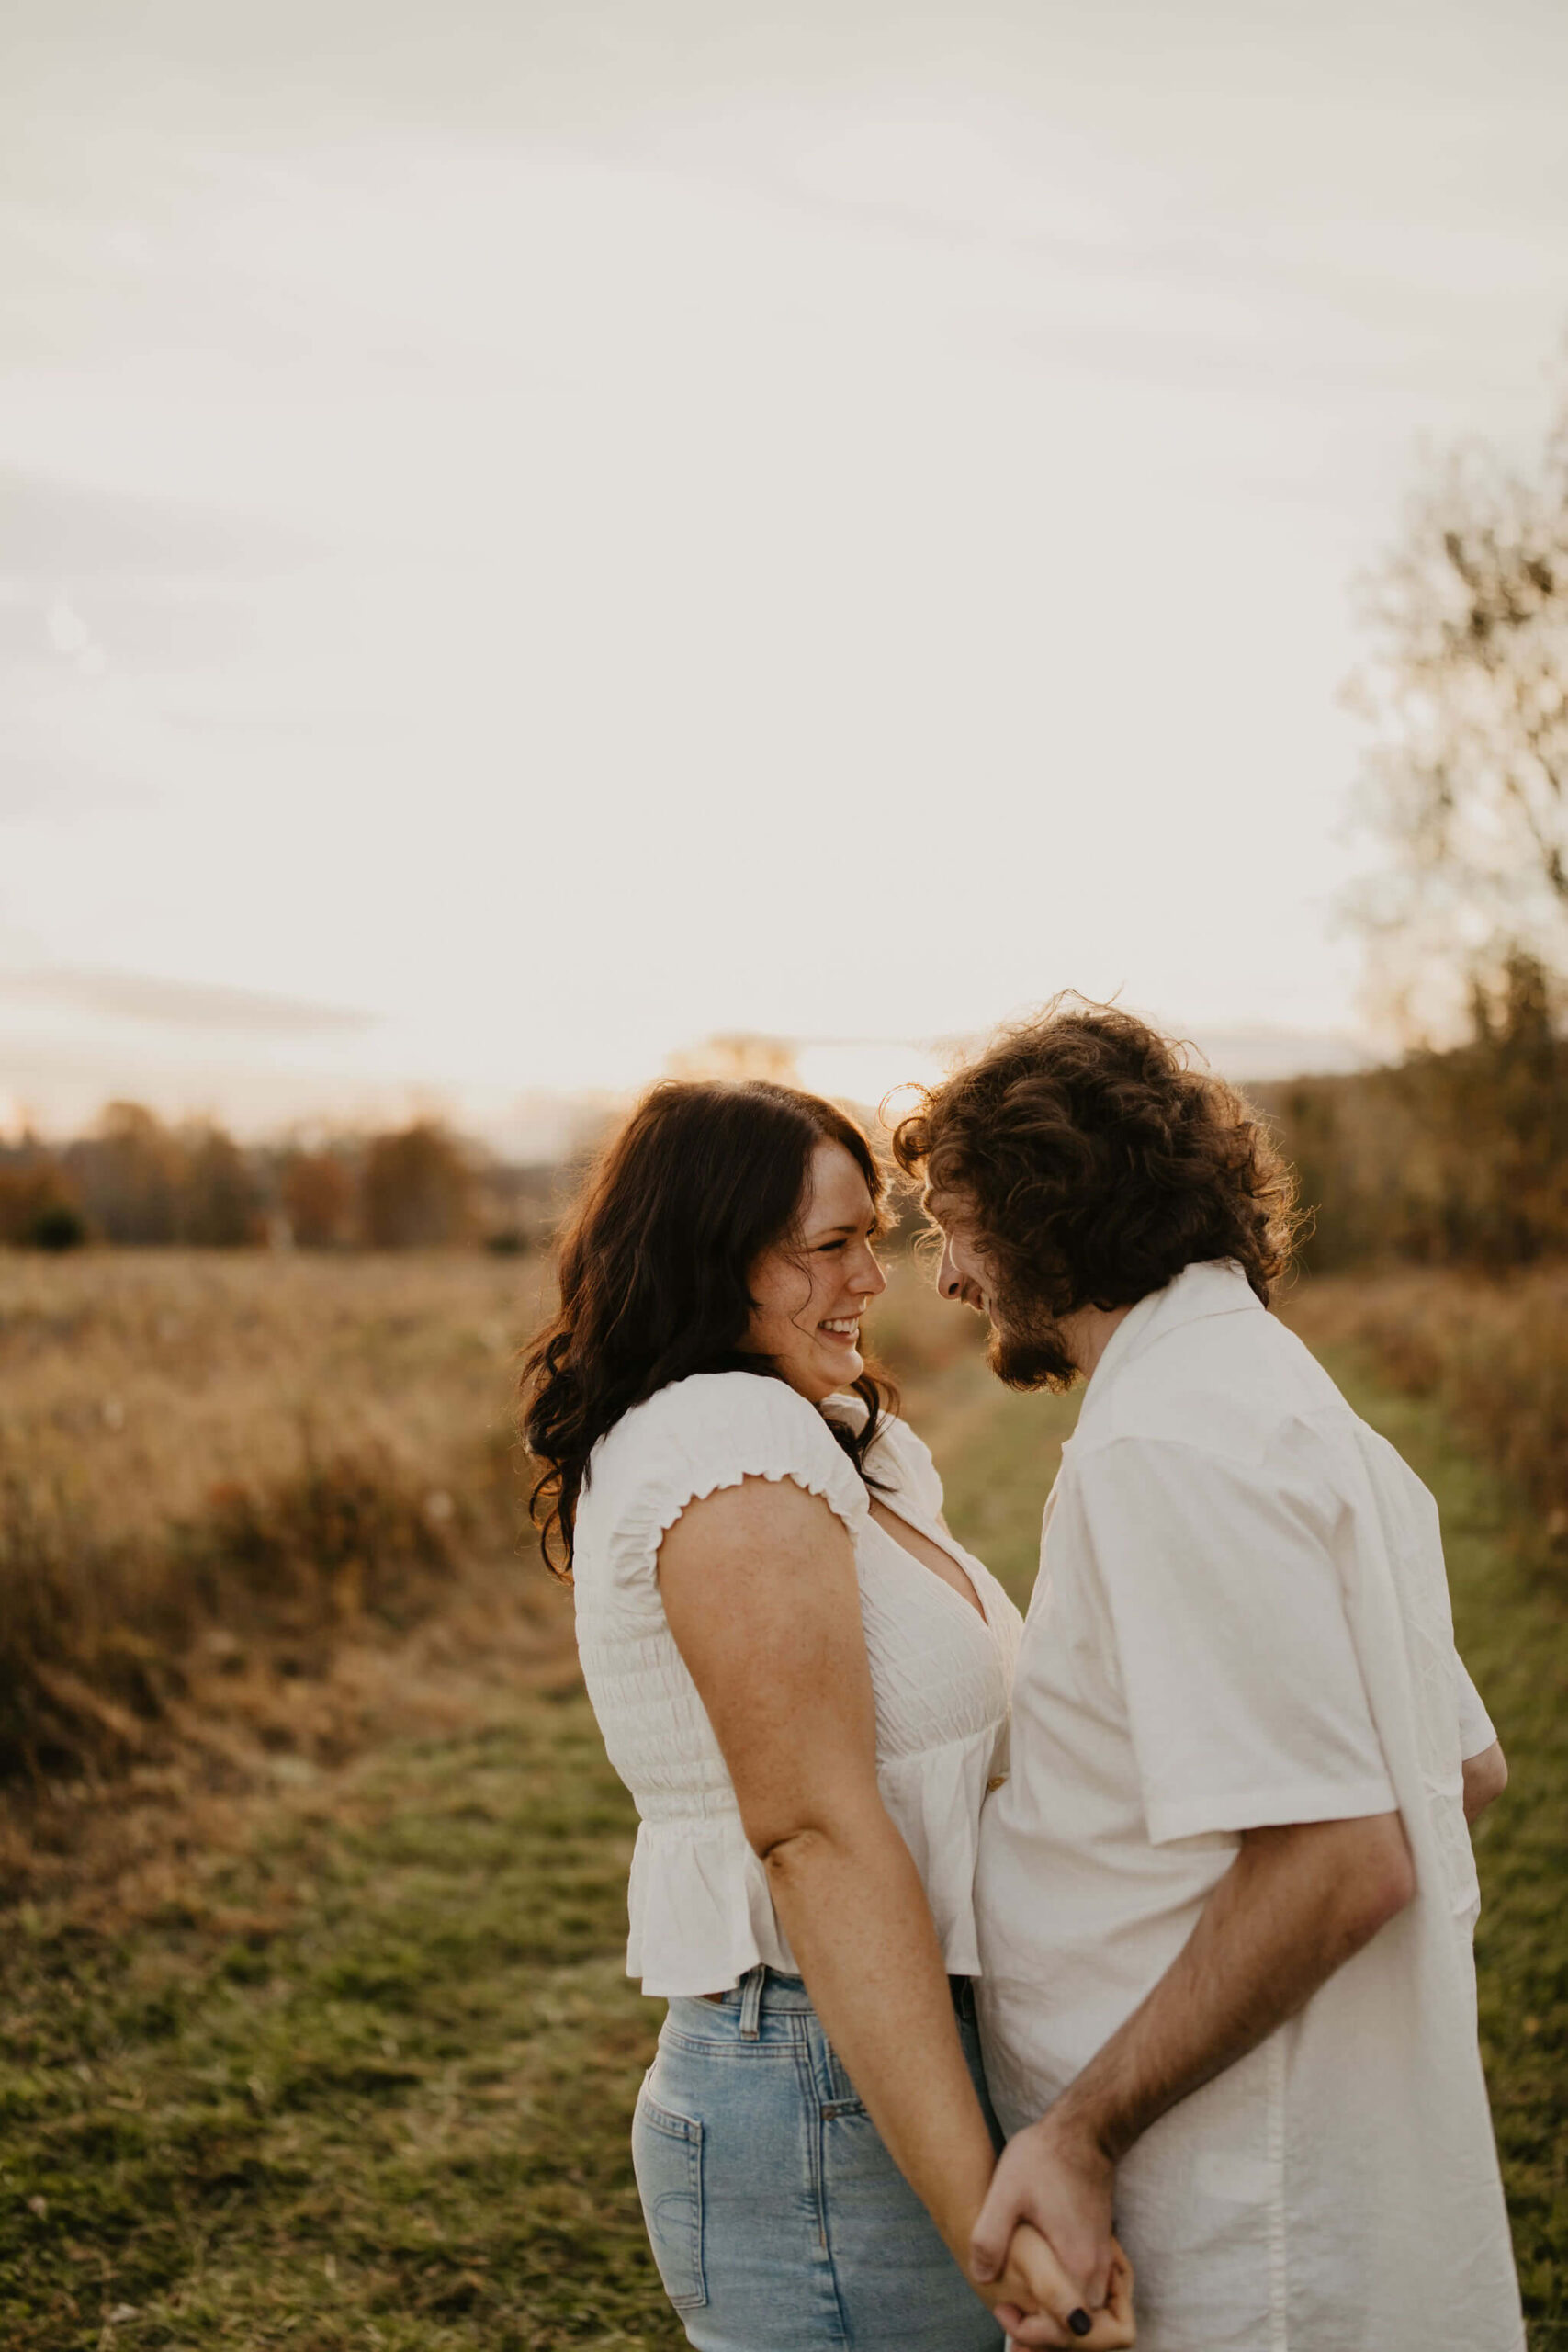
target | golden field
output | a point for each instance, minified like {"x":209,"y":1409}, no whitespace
{"x":1491,"y":1355}
{"x":225,"y":1478}
{"x":313,"y":2029}
{"x":219,"y":1470}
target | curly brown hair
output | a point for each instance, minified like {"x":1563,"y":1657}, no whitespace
{"x":1096,"y":1165}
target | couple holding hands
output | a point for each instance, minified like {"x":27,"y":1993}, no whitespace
{"x":1033,"y":1979}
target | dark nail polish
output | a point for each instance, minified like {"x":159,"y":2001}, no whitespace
{"x":1081,"y":2323}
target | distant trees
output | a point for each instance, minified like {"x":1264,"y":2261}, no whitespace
{"x":738,"y":1053}
{"x":1467,"y":787}
{"x":220,"y":1198}
{"x":1451,"y":1158}
{"x":38,"y":1208}
{"x":318,"y":1194}
{"x":136,"y":1180}
{"x":140,"y":1180}
{"x":129,"y":1174}
{"x":417,"y":1188}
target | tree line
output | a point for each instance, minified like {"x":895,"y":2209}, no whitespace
{"x":137,"y":1180}
{"x":1452,"y":1158}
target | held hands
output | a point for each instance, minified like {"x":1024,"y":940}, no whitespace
{"x":1046,"y":2222}
{"x":1035,"y":2299}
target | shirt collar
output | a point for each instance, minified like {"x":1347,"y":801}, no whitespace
{"x":1216,"y":1286}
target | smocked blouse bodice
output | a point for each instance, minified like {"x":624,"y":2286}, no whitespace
{"x":701,"y":1910}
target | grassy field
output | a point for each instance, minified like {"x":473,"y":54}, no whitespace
{"x":360,"y":2073}
{"x":234,"y":1488}
{"x":1491,"y":1355}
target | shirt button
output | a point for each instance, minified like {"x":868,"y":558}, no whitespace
{"x":995,"y":1783}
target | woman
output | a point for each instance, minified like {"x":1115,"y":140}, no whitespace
{"x":803,"y":1683}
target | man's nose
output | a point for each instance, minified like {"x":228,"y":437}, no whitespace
{"x":948,"y":1281}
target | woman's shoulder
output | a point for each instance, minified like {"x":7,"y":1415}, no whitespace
{"x":696,"y":1435}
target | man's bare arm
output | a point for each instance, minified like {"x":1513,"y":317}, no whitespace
{"x":1295,"y":1905}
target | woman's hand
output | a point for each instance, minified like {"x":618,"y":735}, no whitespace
{"x":1034,"y":2299}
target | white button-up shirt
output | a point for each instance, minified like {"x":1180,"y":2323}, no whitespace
{"x":1241,"y":1618}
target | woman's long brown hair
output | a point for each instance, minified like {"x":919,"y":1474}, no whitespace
{"x":654,"y":1273}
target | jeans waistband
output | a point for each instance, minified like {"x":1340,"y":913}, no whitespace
{"x":767,"y":1988}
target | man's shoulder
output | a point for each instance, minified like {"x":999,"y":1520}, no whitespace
{"x":1230,"y":1389}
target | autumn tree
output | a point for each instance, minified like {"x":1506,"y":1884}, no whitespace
{"x":140,"y":1180}
{"x":417,"y":1188}
{"x":1467,"y":787}
{"x":318,"y":1194}
{"x":219,"y":1199}
{"x":38,"y":1210}
{"x":130,"y":1174}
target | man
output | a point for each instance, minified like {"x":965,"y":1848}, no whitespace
{"x":1225,"y":1896}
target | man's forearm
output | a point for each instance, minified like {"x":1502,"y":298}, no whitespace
{"x":1294,"y":1906}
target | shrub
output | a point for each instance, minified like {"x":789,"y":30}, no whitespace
{"x":1493,"y":1353}
{"x":93,"y":1630}
{"x":1450,"y":1159}
{"x":59,"y":1227}
{"x":36,"y":1200}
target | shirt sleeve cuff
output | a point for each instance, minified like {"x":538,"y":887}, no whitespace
{"x":1237,"y":1809}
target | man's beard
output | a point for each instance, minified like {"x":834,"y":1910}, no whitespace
{"x":1027,"y":1347}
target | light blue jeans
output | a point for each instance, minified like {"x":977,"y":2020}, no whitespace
{"x":778,"y":2220}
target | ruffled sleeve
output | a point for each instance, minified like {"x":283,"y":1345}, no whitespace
{"x":711,"y":1430}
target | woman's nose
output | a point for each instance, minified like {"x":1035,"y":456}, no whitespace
{"x":869,"y":1278}
{"x":947,"y":1281}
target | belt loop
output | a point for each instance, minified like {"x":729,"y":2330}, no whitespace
{"x":752,"y":2003}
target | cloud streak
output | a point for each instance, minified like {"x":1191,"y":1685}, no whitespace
{"x":176,"y":1004}
{"x":51,"y":528}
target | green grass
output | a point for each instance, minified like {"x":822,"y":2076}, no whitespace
{"x":1511,"y":1620}
{"x":397,"y":2119}
{"x":374,"y":2089}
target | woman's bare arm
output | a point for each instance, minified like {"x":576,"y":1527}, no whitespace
{"x":760,"y":1590}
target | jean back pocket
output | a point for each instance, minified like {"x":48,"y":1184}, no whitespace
{"x":667,"y":2156}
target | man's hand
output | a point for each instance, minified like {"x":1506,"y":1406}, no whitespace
{"x":1056,"y":2177}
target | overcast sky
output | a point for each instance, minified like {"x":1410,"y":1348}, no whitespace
{"x":530,"y":535}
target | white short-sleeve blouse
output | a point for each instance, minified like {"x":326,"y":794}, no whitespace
{"x":701,"y":1910}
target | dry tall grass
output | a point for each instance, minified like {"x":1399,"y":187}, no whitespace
{"x":221,"y":1475}
{"x":1492,"y":1354}
{"x":200,"y":1453}
{"x":222,"y":1472}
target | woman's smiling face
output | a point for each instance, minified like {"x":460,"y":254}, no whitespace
{"x":809,"y":1293}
